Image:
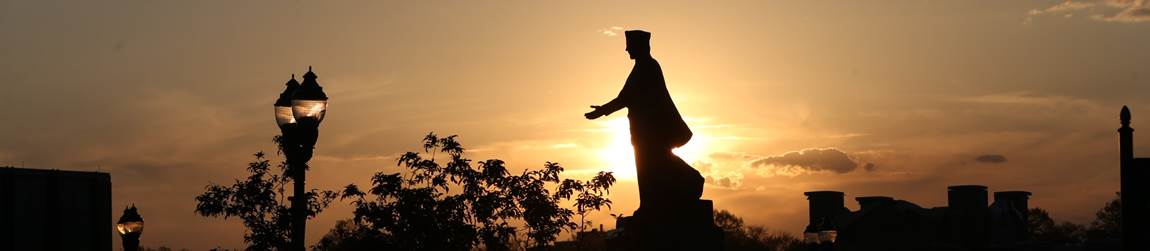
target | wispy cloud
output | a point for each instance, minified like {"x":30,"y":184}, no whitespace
{"x":1121,"y":11}
{"x":1028,"y":99}
{"x":1133,"y":13}
{"x":611,"y":31}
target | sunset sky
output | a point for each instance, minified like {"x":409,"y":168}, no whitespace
{"x":893,"y":98}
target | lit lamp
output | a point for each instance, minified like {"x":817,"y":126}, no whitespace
{"x":284,"y":116}
{"x":309,"y":102}
{"x":130,"y":226}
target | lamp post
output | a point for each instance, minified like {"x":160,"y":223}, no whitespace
{"x":298,"y":111}
{"x":130,"y":226}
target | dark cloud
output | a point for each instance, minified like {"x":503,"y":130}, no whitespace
{"x":990,"y":158}
{"x":869,"y":167}
{"x":811,"y":160}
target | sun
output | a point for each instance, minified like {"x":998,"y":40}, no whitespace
{"x":619,"y":156}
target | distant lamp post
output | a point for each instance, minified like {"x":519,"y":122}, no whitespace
{"x":298,"y":111}
{"x":827,"y":235}
{"x":130,"y":226}
{"x":811,"y":235}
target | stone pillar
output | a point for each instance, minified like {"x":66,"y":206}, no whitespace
{"x":1132,"y":188}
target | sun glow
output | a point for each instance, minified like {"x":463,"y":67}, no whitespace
{"x":619,"y":155}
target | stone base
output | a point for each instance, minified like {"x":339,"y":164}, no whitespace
{"x":685,"y":227}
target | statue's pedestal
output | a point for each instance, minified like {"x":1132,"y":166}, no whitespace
{"x":673,"y":227}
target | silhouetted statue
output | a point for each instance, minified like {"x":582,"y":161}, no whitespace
{"x":656,"y":128}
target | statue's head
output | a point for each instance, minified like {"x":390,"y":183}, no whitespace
{"x":638,"y":43}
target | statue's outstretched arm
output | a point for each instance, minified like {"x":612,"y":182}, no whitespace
{"x":620,"y":102}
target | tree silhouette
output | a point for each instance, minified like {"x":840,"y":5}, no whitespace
{"x":261,"y":202}
{"x":1043,"y":228}
{"x":740,"y":237}
{"x":1107,"y":223}
{"x":349,"y":236}
{"x":454,"y":206}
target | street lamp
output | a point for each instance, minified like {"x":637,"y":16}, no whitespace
{"x":130,"y":226}
{"x":299,"y":111}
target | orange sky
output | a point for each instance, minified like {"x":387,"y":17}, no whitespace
{"x":169,"y":96}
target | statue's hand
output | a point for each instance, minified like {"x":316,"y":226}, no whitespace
{"x":593,"y":114}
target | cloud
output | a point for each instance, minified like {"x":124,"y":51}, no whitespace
{"x":991,"y":158}
{"x":719,"y":177}
{"x":809,"y":161}
{"x":1122,"y":11}
{"x":725,"y":182}
{"x":611,"y":31}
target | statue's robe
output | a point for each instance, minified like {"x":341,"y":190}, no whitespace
{"x":656,"y":127}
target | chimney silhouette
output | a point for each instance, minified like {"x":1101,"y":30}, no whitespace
{"x":825,"y":205}
{"x":1019,"y":199}
{"x":968,"y":205}
{"x":967,"y":197}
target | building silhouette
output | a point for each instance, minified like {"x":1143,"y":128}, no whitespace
{"x":55,"y":210}
{"x":968,"y":222}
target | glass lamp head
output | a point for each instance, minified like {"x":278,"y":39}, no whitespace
{"x":309,"y":102}
{"x":130,"y":222}
{"x":283,"y":105}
